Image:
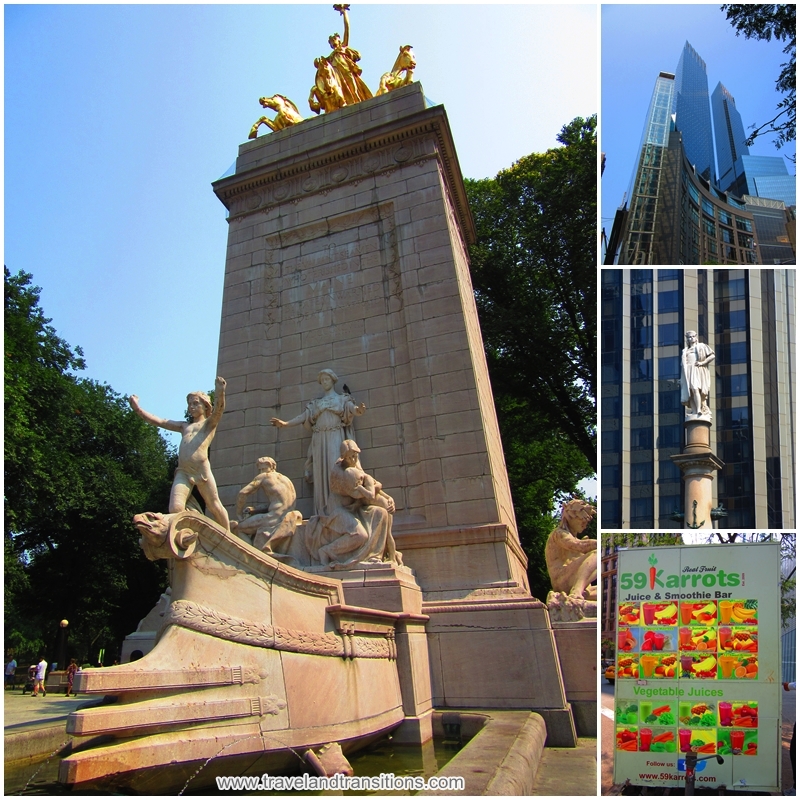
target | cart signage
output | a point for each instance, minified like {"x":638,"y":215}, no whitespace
{"x":698,"y":665}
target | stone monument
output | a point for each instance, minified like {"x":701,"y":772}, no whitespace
{"x":697,"y":462}
{"x":347,"y":251}
{"x":300,"y":626}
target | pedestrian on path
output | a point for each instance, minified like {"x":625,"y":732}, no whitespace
{"x":71,"y":670}
{"x":11,"y":669}
{"x":38,"y":681}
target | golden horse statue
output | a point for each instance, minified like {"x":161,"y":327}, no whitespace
{"x":287,"y":114}
{"x":326,"y":93}
{"x":401,"y":74}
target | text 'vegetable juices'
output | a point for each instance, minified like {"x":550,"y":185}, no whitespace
{"x":693,"y":664}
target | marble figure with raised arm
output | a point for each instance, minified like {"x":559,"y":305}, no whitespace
{"x":194,"y":468}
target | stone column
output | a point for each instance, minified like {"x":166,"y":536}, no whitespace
{"x":698,"y":464}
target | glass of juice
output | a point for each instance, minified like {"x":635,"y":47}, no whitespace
{"x":686,"y":664}
{"x":684,"y":711}
{"x":685,"y":739}
{"x":725,"y":710}
{"x":686,"y":613}
{"x":737,"y":740}
{"x":727,"y":663}
{"x":725,"y":607}
{"x":645,"y":709}
{"x":724,"y":638}
{"x":685,"y":635}
{"x":658,"y":641}
{"x":622,"y":638}
{"x":649,"y":611}
{"x":648,"y":664}
{"x":645,"y":737}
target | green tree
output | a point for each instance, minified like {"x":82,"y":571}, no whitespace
{"x":765,"y":22}
{"x":534,"y":276}
{"x":78,"y":465}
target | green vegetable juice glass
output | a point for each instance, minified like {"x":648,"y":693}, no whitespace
{"x":645,"y":709}
{"x":684,"y":710}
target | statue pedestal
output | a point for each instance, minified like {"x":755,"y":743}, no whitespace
{"x":698,"y":464}
{"x":577,"y":654}
{"x":393,"y":589}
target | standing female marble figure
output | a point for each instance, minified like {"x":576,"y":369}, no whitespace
{"x":330,"y":419}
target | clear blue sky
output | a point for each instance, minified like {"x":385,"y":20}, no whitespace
{"x":119,"y":117}
{"x":638,"y":42}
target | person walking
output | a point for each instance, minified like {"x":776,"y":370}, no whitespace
{"x":38,"y":680}
{"x":11,"y":669}
{"x":71,"y":670}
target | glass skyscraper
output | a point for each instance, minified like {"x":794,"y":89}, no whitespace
{"x":729,"y":135}
{"x":676,"y":211}
{"x":739,"y":172}
{"x":644,"y":189}
{"x":692,"y":113}
{"x":765,"y":176}
{"x":747,"y":316}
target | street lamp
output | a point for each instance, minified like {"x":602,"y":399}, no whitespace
{"x":61,"y":650}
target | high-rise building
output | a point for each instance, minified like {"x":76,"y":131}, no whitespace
{"x":738,"y":171}
{"x":729,"y":135}
{"x":747,"y":317}
{"x":692,"y":113}
{"x":764,"y":176}
{"x":676,"y":211}
{"x":774,"y":224}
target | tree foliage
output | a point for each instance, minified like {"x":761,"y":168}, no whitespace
{"x":534,"y":276}
{"x":765,"y":22}
{"x":78,"y":465}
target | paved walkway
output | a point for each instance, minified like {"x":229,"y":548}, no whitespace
{"x":25,"y":710}
{"x":36,"y":726}
{"x":568,"y":771}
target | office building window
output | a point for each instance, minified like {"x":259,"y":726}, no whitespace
{"x":669,"y":333}
{"x":669,"y":368}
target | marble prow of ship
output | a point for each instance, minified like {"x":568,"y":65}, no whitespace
{"x":253,"y":657}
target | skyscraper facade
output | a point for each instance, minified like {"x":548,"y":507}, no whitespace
{"x":747,"y":317}
{"x":644,"y":189}
{"x":765,"y":176}
{"x":692,"y":112}
{"x":729,"y":135}
{"x":676,"y":211}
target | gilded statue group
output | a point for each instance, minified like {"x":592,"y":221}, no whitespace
{"x":352,"y":521}
{"x":338,"y":81}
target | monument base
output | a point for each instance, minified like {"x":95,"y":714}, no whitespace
{"x":391,"y":588}
{"x":499,"y":652}
{"x":577,"y":654}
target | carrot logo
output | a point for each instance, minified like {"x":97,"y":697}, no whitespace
{"x":652,"y":561}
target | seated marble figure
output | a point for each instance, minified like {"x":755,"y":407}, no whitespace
{"x":356,"y":526}
{"x":572,"y":561}
{"x":267,"y":526}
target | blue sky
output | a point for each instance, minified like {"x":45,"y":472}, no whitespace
{"x":638,"y":42}
{"x":119,"y":117}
